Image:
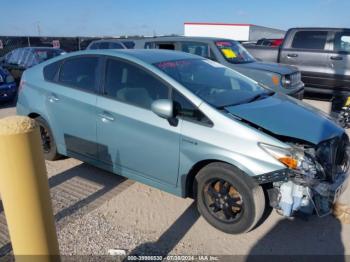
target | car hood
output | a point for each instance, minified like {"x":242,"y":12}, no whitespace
{"x":284,"y":116}
{"x":270,"y":67}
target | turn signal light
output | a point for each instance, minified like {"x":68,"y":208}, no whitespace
{"x":289,"y":162}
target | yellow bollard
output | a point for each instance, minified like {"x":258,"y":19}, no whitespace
{"x":24,"y":190}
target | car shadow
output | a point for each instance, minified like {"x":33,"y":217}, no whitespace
{"x":74,"y":193}
{"x":171,"y":237}
{"x":296,"y":240}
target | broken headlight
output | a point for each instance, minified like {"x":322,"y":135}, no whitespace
{"x":294,"y":158}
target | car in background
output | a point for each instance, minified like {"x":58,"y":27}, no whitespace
{"x":192,"y":127}
{"x":321,"y":54}
{"x":281,"y":78}
{"x":21,"y":59}
{"x":269,"y":42}
{"x":8,"y":87}
{"x":111,"y":44}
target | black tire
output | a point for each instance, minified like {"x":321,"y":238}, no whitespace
{"x":47,"y":140}
{"x":250,"y":201}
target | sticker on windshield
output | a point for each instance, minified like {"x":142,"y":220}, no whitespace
{"x":228,"y":53}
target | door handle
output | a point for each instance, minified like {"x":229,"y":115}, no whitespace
{"x":292,"y":55}
{"x":105,"y":117}
{"x":53,"y":99}
{"x":336,"y":58}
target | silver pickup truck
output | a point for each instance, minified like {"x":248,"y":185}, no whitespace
{"x":321,"y":54}
{"x":281,"y":78}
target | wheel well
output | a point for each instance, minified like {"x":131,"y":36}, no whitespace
{"x":192,"y":174}
{"x":33,"y":115}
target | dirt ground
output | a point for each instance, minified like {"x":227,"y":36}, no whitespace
{"x":96,"y":211}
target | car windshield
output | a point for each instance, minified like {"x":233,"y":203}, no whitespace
{"x":216,"y":84}
{"x":45,"y":54}
{"x":234,"y":52}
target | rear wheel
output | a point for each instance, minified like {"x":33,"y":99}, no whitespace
{"x":47,"y":140}
{"x":229,"y":199}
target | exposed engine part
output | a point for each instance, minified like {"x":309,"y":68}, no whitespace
{"x":292,"y":198}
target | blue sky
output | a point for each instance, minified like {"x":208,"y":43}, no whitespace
{"x":148,"y":17}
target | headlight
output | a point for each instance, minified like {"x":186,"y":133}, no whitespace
{"x":286,"y":81}
{"x":294,"y":158}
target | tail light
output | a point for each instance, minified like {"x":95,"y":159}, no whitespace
{"x":21,"y":85}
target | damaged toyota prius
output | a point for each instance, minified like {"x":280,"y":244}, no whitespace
{"x":191,"y":127}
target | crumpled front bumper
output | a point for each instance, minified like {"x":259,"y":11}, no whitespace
{"x":325,"y":194}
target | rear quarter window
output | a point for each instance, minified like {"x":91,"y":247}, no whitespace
{"x":50,"y":71}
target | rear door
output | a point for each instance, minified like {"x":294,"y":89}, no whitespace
{"x":71,"y":106}
{"x":133,"y":140}
{"x":339,"y":60}
{"x":308,"y":50}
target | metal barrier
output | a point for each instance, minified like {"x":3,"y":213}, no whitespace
{"x":24,"y":189}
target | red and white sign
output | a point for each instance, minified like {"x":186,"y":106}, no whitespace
{"x":1,"y":45}
{"x":56,"y":43}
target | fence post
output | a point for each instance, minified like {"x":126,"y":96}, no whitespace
{"x":24,"y":189}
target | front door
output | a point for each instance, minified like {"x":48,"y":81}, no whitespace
{"x":339,"y":60}
{"x":131,"y":138}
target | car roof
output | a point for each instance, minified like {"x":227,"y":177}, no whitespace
{"x":182,"y":38}
{"x":108,"y":40}
{"x":40,"y":48}
{"x":320,"y":28}
{"x":149,"y":56}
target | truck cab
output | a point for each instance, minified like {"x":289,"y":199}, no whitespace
{"x":280,"y":78}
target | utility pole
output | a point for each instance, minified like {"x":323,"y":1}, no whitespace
{"x":38,"y":27}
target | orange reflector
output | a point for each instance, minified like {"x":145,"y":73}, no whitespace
{"x":275,"y":80}
{"x":290,"y":162}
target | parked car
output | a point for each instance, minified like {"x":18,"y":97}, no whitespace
{"x":21,"y":59}
{"x":8,"y":86}
{"x":111,"y":44}
{"x":321,"y":54}
{"x":284,"y":79}
{"x":191,"y":127}
{"x":270,"y":42}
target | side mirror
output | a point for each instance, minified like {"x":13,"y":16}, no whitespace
{"x":163,"y":108}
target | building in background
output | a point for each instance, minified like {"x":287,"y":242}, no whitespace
{"x":239,"y":32}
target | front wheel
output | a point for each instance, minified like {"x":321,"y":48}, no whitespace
{"x":229,"y":199}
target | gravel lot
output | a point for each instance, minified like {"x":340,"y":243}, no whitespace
{"x":96,"y":211}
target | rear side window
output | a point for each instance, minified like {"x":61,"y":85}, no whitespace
{"x":129,"y":44}
{"x":128,"y":83}
{"x":94,"y":46}
{"x":310,"y":40}
{"x":80,"y":73}
{"x":103,"y":45}
{"x":50,"y":71}
{"x":114,"y":45}
{"x":167,"y":46}
{"x":196,"y":49}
